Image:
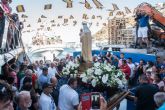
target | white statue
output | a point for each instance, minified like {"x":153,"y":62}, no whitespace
{"x":86,"y":40}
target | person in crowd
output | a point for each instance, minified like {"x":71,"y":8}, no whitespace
{"x":143,"y":23}
{"x":159,"y":99}
{"x":28,"y":73}
{"x":68,"y":97}
{"x":139,"y":70}
{"x":158,"y":81}
{"x":46,"y":101}
{"x":158,"y":62}
{"x":108,"y":57}
{"x":10,"y":81}
{"x":60,"y":66}
{"x":148,"y":74}
{"x":37,"y":69}
{"x":125,"y":69}
{"x":121,"y":59}
{"x":148,"y":66}
{"x":162,"y":71}
{"x":21,"y":73}
{"x":27,"y":84}
{"x":132,"y":67}
{"x":52,"y":70}
{"x":43,"y":78}
{"x":6,"y":96}
{"x":55,"y":92}
{"x":35,"y":102}
{"x":13,"y":70}
{"x":41,"y":63}
{"x":34,"y":77}
{"x":24,"y":100}
{"x":144,"y":94}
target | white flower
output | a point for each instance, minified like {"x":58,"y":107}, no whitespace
{"x":90,"y":71}
{"x":75,"y":71}
{"x":85,"y":79}
{"x":97,"y":64}
{"x":94,"y":82}
{"x":66,"y":73}
{"x":76,"y":65}
{"x":105,"y":78}
{"x":98,"y":72}
{"x":82,"y":75}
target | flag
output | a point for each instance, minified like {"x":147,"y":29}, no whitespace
{"x":98,"y":4}
{"x":48,"y":28}
{"x":104,"y":24}
{"x":71,"y":17}
{"x":24,"y":16}
{"x":115,"y":7}
{"x":69,"y":4}
{"x":20,"y":8}
{"x":65,"y":21}
{"x":119,"y":13}
{"x":93,"y":17}
{"x":53,"y":25}
{"x":52,"y":21}
{"x":48,"y":7}
{"x":41,"y":26}
{"x":87,"y":5}
{"x":74,"y":23}
{"x":39,"y":20}
{"x":127,"y":10}
{"x":42,"y":16}
{"x":85,"y":16}
{"x":99,"y":17}
{"x":24,"y":20}
{"x":97,"y":24}
{"x":111,"y":13}
{"x":60,"y":17}
{"x":29,"y":25}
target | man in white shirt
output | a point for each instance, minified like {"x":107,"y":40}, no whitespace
{"x":46,"y":101}
{"x":52,"y":71}
{"x":68,"y":98}
{"x":132,"y":67}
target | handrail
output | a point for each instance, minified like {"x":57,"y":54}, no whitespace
{"x":116,"y":99}
{"x":4,"y":42}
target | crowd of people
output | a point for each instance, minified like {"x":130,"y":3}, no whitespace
{"x":33,"y":86}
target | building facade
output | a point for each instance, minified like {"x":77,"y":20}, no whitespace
{"x":118,"y":33}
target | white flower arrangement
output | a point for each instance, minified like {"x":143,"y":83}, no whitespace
{"x":70,"y":69}
{"x":104,"y":74}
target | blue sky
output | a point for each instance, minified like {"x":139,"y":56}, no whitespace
{"x":34,"y":9}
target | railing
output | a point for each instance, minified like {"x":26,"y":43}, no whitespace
{"x":11,"y":38}
{"x":116,"y":99}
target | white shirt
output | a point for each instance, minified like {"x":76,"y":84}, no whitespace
{"x":21,"y":82}
{"x":132,"y":67}
{"x":38,"y":72}
{"x":52,"y":71}
{"x":68,"y":98}
{"x":46,"y":102}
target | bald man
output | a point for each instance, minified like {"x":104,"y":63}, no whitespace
{"x":55,"y":92}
